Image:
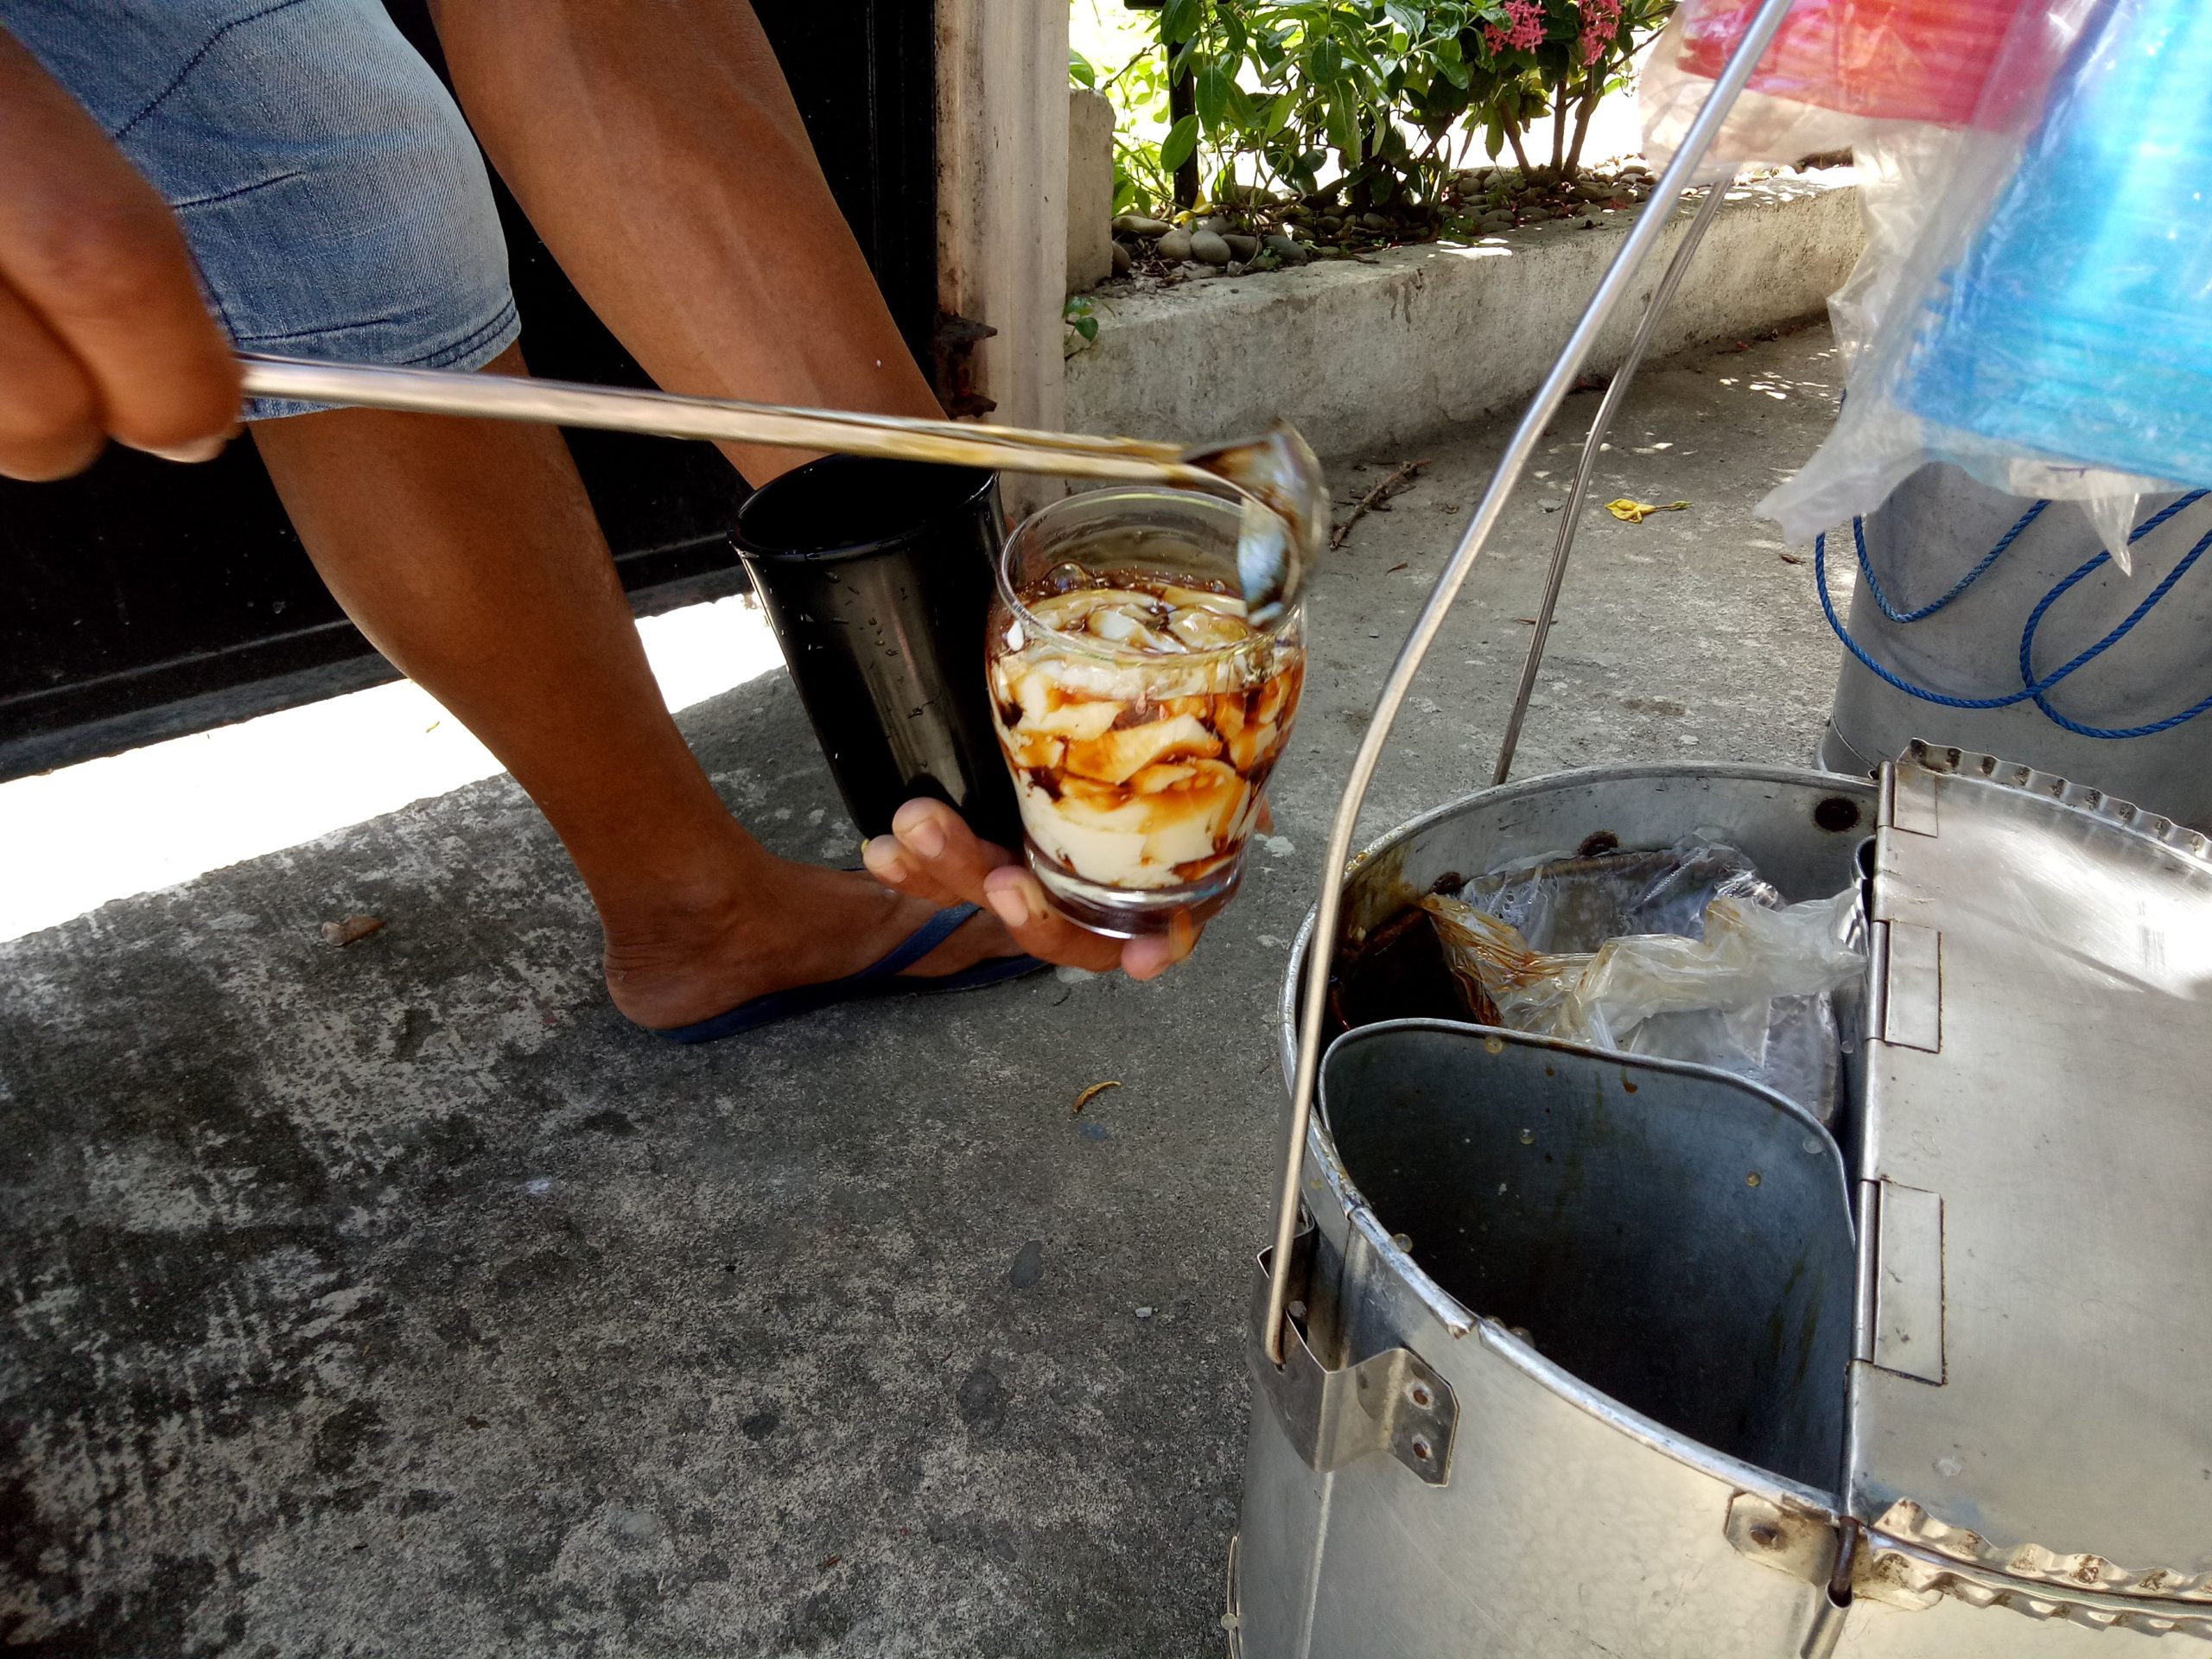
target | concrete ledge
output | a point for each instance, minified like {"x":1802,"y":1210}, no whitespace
{"x":1364,"y":355}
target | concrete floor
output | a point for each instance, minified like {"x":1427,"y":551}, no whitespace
{"x":401,"y":1299}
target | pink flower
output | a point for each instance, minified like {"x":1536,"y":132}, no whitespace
{"x":1601,"y":20}
{"x":1526,"y":31}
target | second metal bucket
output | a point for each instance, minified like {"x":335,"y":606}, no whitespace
{"x":1935,"y":529}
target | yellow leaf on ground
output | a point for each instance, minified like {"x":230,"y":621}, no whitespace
{"x":1635,"y":513}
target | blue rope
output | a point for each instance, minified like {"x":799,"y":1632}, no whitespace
{"x":1902,"y":617}
{"x":2031,"y":688}
{"x":1828,"y":607}
{"x":2035,"y":621}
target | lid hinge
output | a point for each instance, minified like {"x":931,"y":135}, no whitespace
{"x":1899,"y":1316}
{"x":1906,"y":977}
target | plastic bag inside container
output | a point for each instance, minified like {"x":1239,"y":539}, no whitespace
{"x":2042,"y":322}
{"x":1683,"y":954}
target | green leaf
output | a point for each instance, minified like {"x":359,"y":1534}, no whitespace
{"x":1182,"y":139}
{"x":1326,"y":62}
{"x":1406,"y":16}
{"x":1178,"y":21}
{"x":1087,"y":327}
{"x":1343,"y":127}
{"x":1212,"y":93}
{"x":1079,"y":69}
{"x":1279,"y":114}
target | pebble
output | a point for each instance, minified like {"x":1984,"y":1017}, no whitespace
{"x":1138,"y":225}
{"x":1287,"y":250}
{"x":1686,"y":741}
{"x":1328,"y":224}
{"x":1144,"y":1312}
{"x":1122,"y":260}
{"x":1374,"y":221}
{"x":1550,"y":503}
{"x":1496,"y":221}
{"x":1245,"y":248}
{"x":1174,"y":247}
{"x":1208,"y":247}
{"x":1217,"y":223}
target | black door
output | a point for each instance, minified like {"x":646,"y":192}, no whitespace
{"x":143,"y":600}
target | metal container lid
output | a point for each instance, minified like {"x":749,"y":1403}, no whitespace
{"x":2032,"y":1388}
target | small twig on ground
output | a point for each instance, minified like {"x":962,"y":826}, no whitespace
{"x":1375,"y":498}
{"x":352,"y":929}
{"x":1093,"y":1091}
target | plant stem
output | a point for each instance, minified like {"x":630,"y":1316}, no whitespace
{"x":1520,"y":156}
{"x":1182,"y":101}
{"x":1582,"y":113}
{"x":1559,"y":128}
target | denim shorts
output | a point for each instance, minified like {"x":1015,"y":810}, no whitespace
{"x":332,"y":194}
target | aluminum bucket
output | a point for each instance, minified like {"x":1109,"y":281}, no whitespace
{"x":1600,"y":1474}
{"x":1581,"y":1348}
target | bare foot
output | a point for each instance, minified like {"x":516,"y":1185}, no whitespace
{"x":795,"y":924}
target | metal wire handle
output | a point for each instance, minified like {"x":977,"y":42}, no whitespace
{"x":1650,"y":225}
{"x":1571,"y":519}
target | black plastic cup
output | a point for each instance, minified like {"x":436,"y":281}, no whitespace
{"x":877,"y":576}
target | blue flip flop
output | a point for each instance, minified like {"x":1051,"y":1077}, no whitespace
{"x":880,"y":978}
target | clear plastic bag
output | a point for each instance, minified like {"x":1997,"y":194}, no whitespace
{"x":2041,"y":312}
{"x":1751,"y":991}
{"x":1574,"y":903}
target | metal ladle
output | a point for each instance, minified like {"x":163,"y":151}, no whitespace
{"x":1275,"y":475}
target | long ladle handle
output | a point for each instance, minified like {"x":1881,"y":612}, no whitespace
{"x":1328,"y":911}
{"x":660,"y":413}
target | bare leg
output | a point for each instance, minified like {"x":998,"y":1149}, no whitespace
{"x":661,"y":157}
{"x":657,"y":151}
{"x":466,"y":552}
